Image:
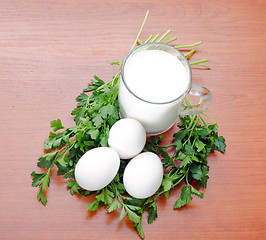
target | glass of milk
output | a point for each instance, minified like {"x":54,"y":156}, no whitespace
{"x":155,"y":78}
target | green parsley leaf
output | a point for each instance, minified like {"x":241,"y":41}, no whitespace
{"x":54,"y":142}
{"x":46,"y":160}
{"x":166,"y":159}
{"x":115,"y":204}
{"x":200,"y":173}
{"x":219,"y":143}
{"x":185,"y":161}
{"x":196,"y":192}
{"x":82,"y":99}
{"x":74,"y":187}
{"x":134,"y":207}
{"x":188,"y":150}
{"x":178,"y":147}
{"x":41,"y":196}
{"x":152,"y":213}
{"x":167,"y":183}
{"x":202,"y":132}
{"x":106,"y":196}
{"x":180,"y":135}
{"x":52,"y":135}
{"x":56,"y":125}
{"x":62,"y":170}
{"x":212,"y":127}
{"x":78,"y":113}
{"x":200,"y":145}
{"x":94,"y":84}
{"x":36,"y":180}
{"x":185,"y":197}
{"x":69,"y":174}
{"x":138,"y":228}
{"x":45,"y":180}
{"x":122,"y":214}
{"x":62,"y":161}
{"x":132,"y":215}
{"x":131,"y":202}
{"x":93,"y":206}
{"x":97,"y":120}
{"x":104,"y":138}
{"x":94,"y":133}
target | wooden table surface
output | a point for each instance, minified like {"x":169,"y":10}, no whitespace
{"x":49,"y":51}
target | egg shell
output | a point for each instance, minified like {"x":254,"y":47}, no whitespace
{"x":97,"y":168}
{"x":143,"y":175}
{"x":127,"y":137}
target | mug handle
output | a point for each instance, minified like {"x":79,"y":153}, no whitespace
{"x":206,"y":97}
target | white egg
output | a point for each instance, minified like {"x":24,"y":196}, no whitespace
{"x":97,"y":168}
{"x":128,"y":137}
{"x":143,"y":175}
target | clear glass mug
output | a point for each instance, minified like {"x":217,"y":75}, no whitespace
{"x":158,"y":117}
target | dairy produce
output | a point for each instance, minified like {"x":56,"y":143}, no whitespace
{"x":152,"y":89}
{"x":155,"y":76}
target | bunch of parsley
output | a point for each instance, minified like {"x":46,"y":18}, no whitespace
{"x":97,"y":110}
{"x":94,"y":116}
{"x":191,"y":146}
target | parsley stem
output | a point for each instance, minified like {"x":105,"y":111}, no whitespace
{"x":209,"y":118}
{"x":142,"y":26}
{"x":194,"y":142}
{"x":200,"y":118}
{"x":155,"y":38}
{"x":208,"y":68}
{"x":190,"y":53}
{"x":170,"y":40}
{"x":166,"y":146}
{"x":63,"y":151}
{"x":202,"y":121}
{"x":191,"y":122}
{"x":187,"y":179}
{"x":191,"y":127}
{"x":164,"y":35}
{"x":148,"y":39}
{"x":180,"y":180}
{"x":189,"y":46}
{"x":200,"y":61}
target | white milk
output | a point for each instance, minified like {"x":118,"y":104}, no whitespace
{"x":154,"y":79}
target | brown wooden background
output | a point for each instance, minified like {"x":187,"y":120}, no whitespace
{"x":49,"y":51}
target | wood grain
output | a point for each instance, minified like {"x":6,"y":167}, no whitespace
{"x":49,"y":51}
